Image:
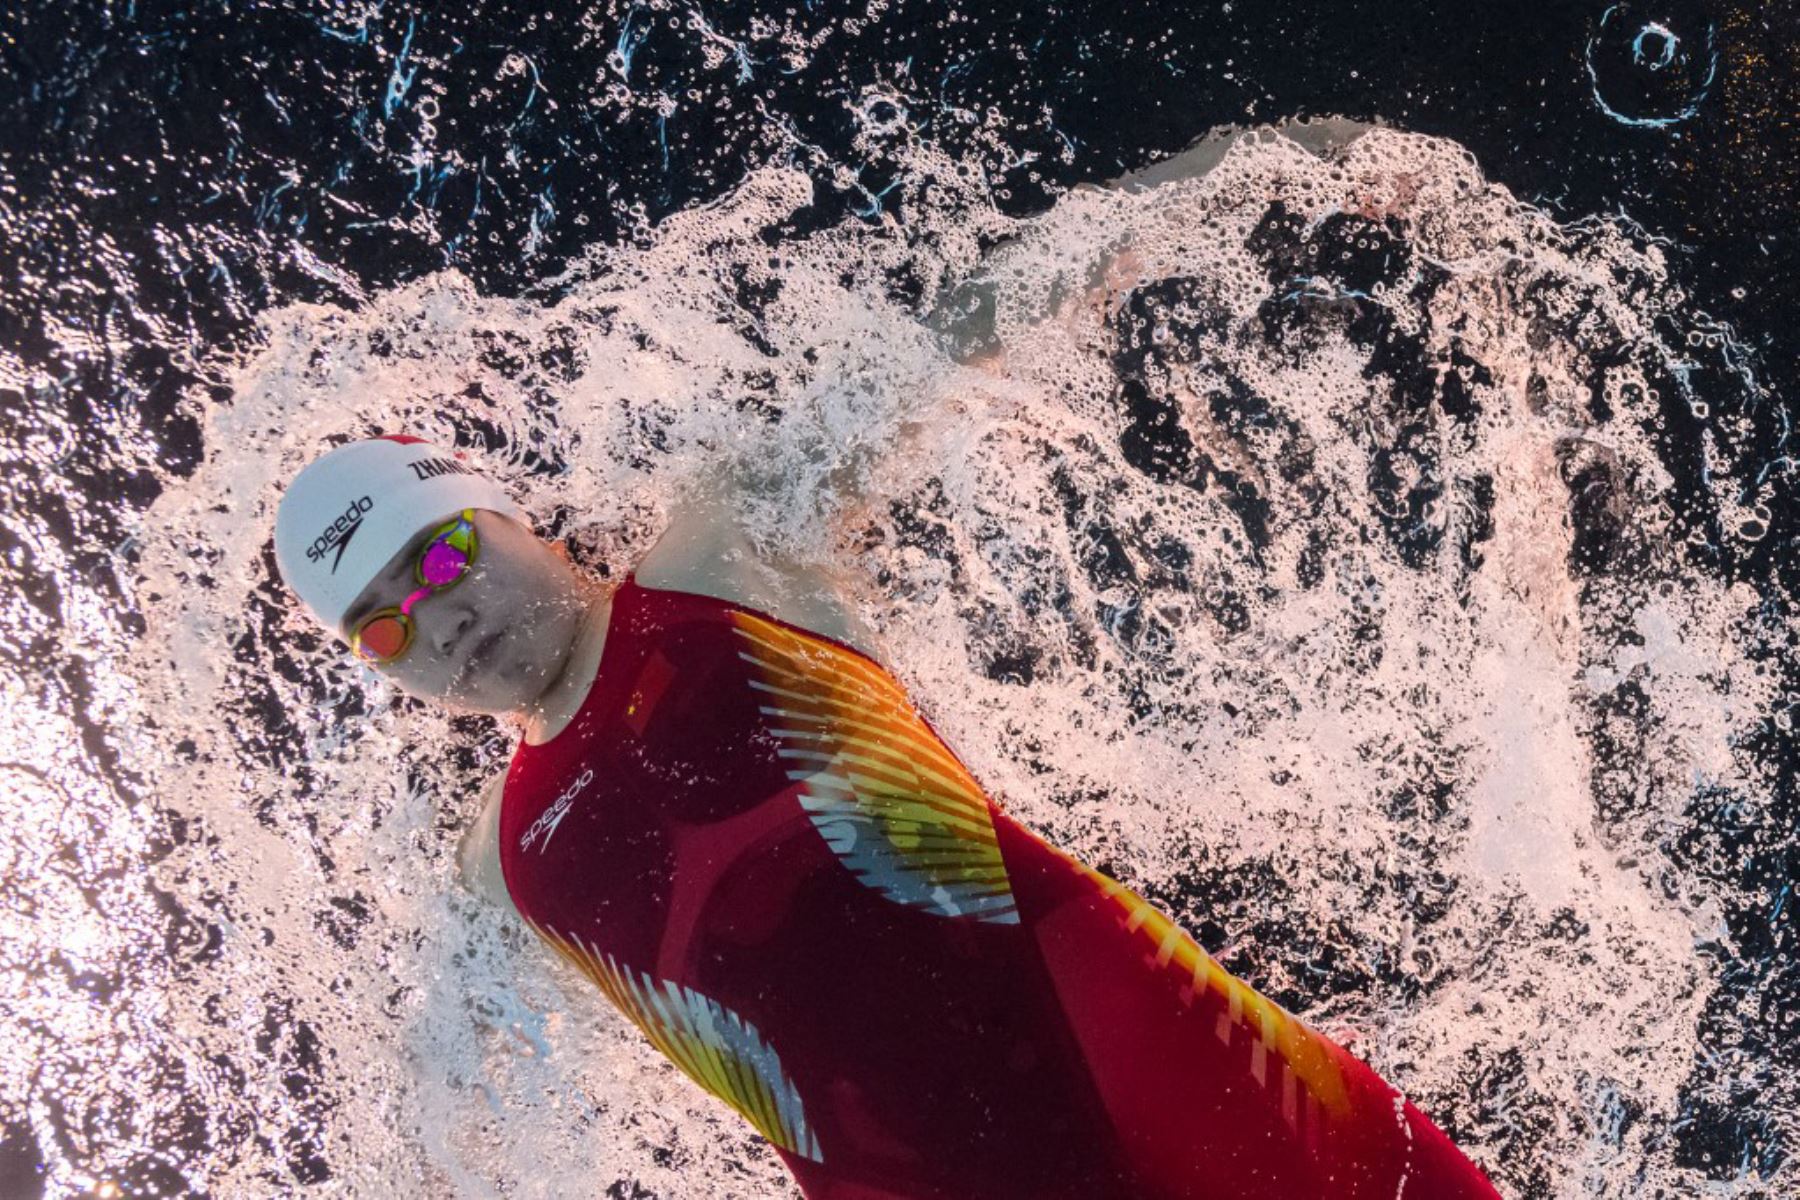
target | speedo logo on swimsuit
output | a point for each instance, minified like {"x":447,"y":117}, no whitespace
{"x":339,"y":533}
{"x":431,"y":468}
{"x":553,"y":816}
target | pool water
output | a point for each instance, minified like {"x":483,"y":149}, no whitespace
{"x":1375,"y":547}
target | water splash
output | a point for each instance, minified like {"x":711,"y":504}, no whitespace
{"x":1304,"y":543}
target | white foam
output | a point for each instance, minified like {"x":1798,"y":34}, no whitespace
{"x":1300,"y":745}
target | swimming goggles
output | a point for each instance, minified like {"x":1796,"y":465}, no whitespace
{"x":387,"y":633}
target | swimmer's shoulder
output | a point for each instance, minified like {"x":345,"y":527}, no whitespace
{"x":705,"y":550}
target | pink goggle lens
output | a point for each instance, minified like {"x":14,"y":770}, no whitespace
{"x":444,"y":563}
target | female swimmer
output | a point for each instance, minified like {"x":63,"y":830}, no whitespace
{"x":725,"y":811}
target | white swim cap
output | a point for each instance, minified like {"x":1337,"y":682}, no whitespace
{"x":352,"y":509}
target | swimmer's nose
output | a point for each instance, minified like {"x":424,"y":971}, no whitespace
{"x":449,"y":628}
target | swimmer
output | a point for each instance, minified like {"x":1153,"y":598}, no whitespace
{"x":725,"y":811}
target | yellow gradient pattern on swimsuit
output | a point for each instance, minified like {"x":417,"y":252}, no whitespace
{"x":889,"y":798}
{"x":1304,"y":1072}
{"x":712,"y":1045}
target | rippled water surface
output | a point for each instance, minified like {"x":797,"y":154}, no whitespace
{"x":1378,"y":550}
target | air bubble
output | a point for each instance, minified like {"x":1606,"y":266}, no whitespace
{"x":882,"y":114}
{"x":1654,"y":46}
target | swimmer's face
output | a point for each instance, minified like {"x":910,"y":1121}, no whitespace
{"x":495,"y":640}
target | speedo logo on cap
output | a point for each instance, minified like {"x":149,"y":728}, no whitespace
{"x":339,"y":533}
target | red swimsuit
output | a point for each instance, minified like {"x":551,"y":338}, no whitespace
{"x":774,"y":867}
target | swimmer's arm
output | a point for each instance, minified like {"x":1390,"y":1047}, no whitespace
{"x":478,"y":857}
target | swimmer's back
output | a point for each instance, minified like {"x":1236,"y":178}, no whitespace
{"x":772,"y":865}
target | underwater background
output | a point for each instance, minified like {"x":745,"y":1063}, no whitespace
{"x":1377,"y":550}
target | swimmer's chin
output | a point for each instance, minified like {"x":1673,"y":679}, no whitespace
{"x":499,"y":681}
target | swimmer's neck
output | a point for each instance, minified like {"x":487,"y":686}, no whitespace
{"x":568,"y":691}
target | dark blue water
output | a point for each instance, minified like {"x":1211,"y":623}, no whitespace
{"x":170,"y":171}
